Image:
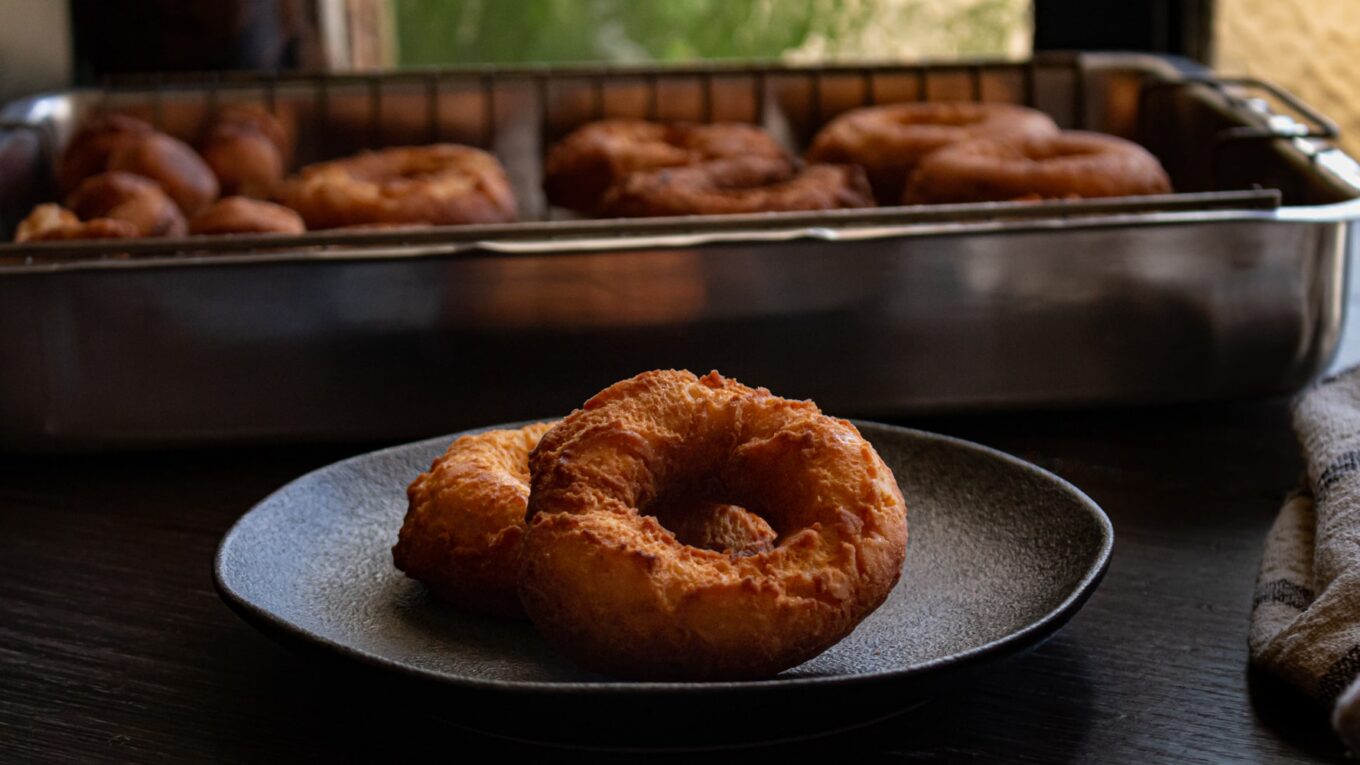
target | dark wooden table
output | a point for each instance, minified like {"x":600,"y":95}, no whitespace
{"x":114,"y":645}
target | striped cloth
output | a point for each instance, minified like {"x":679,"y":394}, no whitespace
{"x":1305,"y":621}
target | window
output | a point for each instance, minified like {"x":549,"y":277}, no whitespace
{"x":434,"y":32}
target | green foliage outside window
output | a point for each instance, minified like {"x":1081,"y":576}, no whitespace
{"x":526,"y":31}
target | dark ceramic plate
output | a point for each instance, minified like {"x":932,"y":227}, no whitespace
{"x":1001,"y":554}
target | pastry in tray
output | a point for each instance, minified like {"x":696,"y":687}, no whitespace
{"x":441,"y":184}
{"x":248,"y":148}
{"x":1065,"y":165}
{"x":111,"y":205}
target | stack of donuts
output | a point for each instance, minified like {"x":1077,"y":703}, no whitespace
{"x":915,"y":153}
{"x":941,"y":153}
{"x":674,"y":527}
{"x":632,"y":168}
{"x":121,"y":178}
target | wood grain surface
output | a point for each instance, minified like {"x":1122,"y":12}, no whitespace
{"x":114,"y":645}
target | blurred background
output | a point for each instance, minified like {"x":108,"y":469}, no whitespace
{"x":527,"y":31}
{"x":1304,"y":46}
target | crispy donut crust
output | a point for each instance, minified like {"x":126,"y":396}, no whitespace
{"x":173,"y":164}
{"x":88,"y":152}
{"x":728,"y":186}
{"x":129,"y":198}
{"x":241,"y":215}
{"x":588,"y":162}
{"x":441,"y":184}
{"x":888,"y":141}
{"x":465,"y":522}
{"x":606,"y":583}
{"x":1066,"y":165}
{"x":50,"y":223}
{"x":462,"y":531}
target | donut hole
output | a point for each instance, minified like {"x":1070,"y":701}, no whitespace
{"x":742,"y":497}
{"x":710,"y":524}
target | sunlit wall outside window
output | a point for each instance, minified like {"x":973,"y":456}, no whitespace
{"x":1306,"y":46}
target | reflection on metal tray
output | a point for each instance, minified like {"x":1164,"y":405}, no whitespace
{"x":1234,"y":286}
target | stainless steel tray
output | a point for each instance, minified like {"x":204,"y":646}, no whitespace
{"x":1232,"y":287}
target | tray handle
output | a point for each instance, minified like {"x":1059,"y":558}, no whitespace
{"x":1277,"y":125}
{"x":1301,"y":121}
{"x":1281,"y":126}
{"x":1316,"y":125}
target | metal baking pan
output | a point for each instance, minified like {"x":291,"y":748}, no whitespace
{"x":1233,"y":286}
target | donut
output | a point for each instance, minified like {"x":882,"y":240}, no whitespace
{"x":247,"y":149}
{"x":727,"y":186}
{"x":51,"y":222}
{"x":888,"y":141}
{"x":587,"y":162}
{"x":171,"y":163}
{"x":604,"y":582}
{"x":1066,"y":165}
{"x":463,"y":528}
{"x":130,"y":198}
{"x":88,"y":152}
{"x":253,"y":117}
{"x":442,"y":185}
{"x":241,"y":215}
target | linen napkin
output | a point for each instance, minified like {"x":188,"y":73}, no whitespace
{"x":1305,"y":621}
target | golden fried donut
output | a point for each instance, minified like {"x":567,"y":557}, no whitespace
{"x":608,"y":585}
{"x":171,"y":163}
{"x":241,"y":215}
{"x":247,"y":149}
{"x":130,"y":198}
{"x":728,"y":186}
{"x":585,"y":164}
{"x":88,"y":152}
{"x":888,"y":141}
{"x":465,"y":522}
{"x":442,"y":185}
{"x":1066,"y":165}
{"x":51,"y":222}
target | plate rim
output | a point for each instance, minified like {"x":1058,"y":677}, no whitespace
{"x":276,"y":626}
